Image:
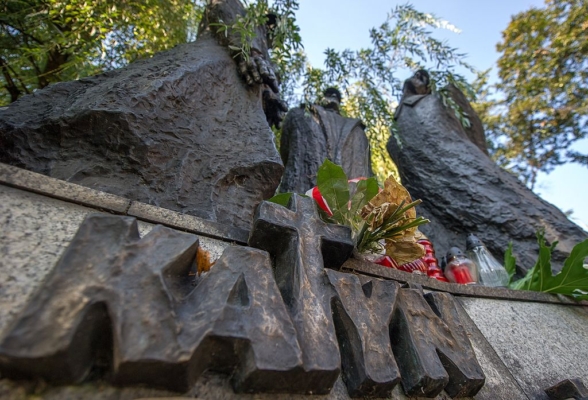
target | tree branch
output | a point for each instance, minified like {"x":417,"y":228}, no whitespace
{"x":41,"y":80}
{"x":20,"y":80}
{"x":10,"y":85}
{"x":21,"y":31}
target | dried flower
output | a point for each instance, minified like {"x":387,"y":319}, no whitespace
{"x":391,"y":216}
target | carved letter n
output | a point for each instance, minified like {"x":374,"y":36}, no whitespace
{"x":431,"y":347}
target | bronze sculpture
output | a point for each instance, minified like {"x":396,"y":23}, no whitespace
{"x":311,"y":136}
{"x":163,"y":130}
{"x":463,"y":191}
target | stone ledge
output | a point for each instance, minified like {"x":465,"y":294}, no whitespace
{"x":459,"y":290}
{"x":73,"y":193}
{"x":185,"y":222}
{"x":62,"y":190}
{"x":70,"y":192}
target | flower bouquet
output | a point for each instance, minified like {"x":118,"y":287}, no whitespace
{"x":383,"y":221}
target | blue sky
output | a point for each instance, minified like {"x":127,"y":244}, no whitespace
{"x":345,"y":24}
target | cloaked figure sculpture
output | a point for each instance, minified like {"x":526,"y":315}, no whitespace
{"x":463,"y":190}
{"x":311,"y":136}
{"x":186,"y":130}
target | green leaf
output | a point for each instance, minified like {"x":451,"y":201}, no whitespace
{"x":521,"y":284}
{"x":282,"y":199}
{"x":332,"y":183}
{"x":571,"y":281}
{"x":573,"y":278}
{"x":534,"y":278}
{"x":545,"y":271}
{"x":510,"y":262}
{"x":391,"y":232}
{"x":364,"y":192}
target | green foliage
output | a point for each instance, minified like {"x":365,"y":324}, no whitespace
{"x":284,"y":36}
{"x":391,"y":228}
{"x":543,"y":70}
{"x":571,"y":281}
{"x":379,"y":122}
{"x":486,"y":107}
{"x":46,"y":41}
{"x":244,"y":28}
{"x":364,"y":192}
{"x":510,"y":262}
{"x":404,"y":41}
{"x":333,"y":185}
{"x":347,"y":204}
{"x":371,"y":78}
{"x":281,"y":198}
{"x":367,"y":77}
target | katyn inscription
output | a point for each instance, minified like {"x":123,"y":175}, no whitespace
{"x":126,"y":308}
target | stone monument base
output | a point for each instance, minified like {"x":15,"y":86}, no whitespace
{"x":525,"y":342}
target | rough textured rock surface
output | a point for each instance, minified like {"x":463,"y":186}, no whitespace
{"x":569,"y":388}
{"x":475,"y":132}
{"x":310,"y":138}
{"x":180,"y":130}
{"x":464,"y":191}
{"x":104,"y":277}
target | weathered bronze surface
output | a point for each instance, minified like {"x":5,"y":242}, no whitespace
{"x":182,"y":130}
{"x":431,"y":347}
{"x":126,"y":309}
{"x":464,"y":191}
{"x":310,"y":138}
{"x":362,"y":310}
{"x":568,"y":389}
{"x":128,"y":306}
{"x":301,"y":245}
{"x":108,"y":287}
